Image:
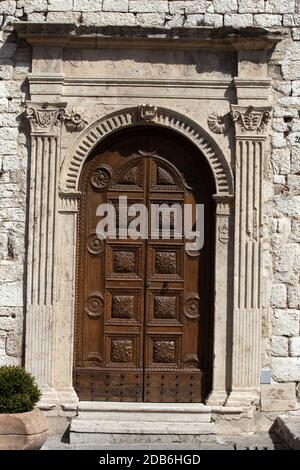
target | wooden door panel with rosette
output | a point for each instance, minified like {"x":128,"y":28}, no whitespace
{"x":142,"y":314}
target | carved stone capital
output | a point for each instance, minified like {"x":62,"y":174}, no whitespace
{"x":251,"y":121}
{"x":45,"y":118}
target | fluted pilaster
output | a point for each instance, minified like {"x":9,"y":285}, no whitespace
{"x":251,"y":126}
{"x":44,"y":167}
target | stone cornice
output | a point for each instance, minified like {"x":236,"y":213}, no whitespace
{"x":226,"y":38}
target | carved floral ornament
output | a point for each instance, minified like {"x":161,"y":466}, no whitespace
{"x":216,"y":122}
{"x":75,"y":120}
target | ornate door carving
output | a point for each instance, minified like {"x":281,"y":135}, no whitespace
{"x":143,"y":307}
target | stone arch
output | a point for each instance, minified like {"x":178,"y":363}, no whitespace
{"x":146,"y":115}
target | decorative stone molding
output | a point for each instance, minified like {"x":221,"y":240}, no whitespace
{"x":250,"y":120}
{"x":75,"y":120}
{"x":75,"y":159}
{"x":45,"y":118}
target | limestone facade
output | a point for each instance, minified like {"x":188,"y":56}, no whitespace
{"x":234,"y":92}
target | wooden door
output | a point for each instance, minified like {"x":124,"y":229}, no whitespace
{"x":143,"y":306}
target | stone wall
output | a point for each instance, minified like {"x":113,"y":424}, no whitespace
{"x":282,"y":189}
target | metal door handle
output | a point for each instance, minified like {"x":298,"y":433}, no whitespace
{"x":148,"y":284}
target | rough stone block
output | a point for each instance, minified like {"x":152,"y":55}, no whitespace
{"x":278,"y":295}
{"x":35,"y":6}
{"x":288,"y":205}
{"x":11,"y":294}
{"x":148,"y":6}
{"x":296,"y":87}
{"x":285,"y":262}
{"x":238,"y":20}
{"x":291,"y":70}
{"x":279,"y":346}
{"x":150,"y":19}
{"x":293,"y":183}
{"x":13,"y":312}
{"x":280,"y":6}
{"x":8,"y":7}
{"x":187,"y":6}
{"x":212,"y":19}
{"x":174,"y":21}
{"x":293,"y":296}
{"x":63,"y":17}
{"x":295,"y":160}
{"x":291,"y":20}
{"x":14,"y":344}
{"x":281,"y":161}
{"x":7,"y":323}
{"x":285,"y":323}
{"x":278,"y":140}
{"x":267,"y":21}
{"x":10,"y":361}
{"x":60,"y":5}
{"x":8,"y":147}
{"x":116,"y":5}
{"x":90,"y":5}
{"x":251,"y":6}
{"x":295,"y":230}
{"x":278,"y":397}
{"x":295,"y":346}
{"x":225,"y":6}
{"x":36,"y":17}
{"x":279,"y":179}
{"x":283,"y":86}
{"x":296,"y":34}
{"x":286,"y":369}
{"x":194,"y":20}
{"x":109,"y":18}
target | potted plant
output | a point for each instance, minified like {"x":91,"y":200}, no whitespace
{"x":22,"y":425}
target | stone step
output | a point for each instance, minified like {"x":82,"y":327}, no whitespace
{"x":121,"y":422}
{"x":89,"y":431}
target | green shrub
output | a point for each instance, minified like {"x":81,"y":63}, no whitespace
{"x":18,"y":390}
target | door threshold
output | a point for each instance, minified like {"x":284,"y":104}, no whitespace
{"x":143,"y":407}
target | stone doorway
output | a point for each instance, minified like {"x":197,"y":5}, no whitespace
{"x":144,"y":308}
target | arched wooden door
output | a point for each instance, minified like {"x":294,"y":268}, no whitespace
{"x":143,"y":307}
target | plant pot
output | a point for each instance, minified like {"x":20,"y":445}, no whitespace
{"x":23,"y":431}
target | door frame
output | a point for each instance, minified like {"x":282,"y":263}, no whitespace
{"x":223,"y":178}
{"x":54,"y":367}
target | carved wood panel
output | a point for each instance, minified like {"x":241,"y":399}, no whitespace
{"x":143,"y":318}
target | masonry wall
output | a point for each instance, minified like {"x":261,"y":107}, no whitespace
{"x":281,"y":320}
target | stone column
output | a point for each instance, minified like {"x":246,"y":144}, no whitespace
{"x":223,"y":299}
{"x":251,"y":126}
{"x":44,"y":167}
